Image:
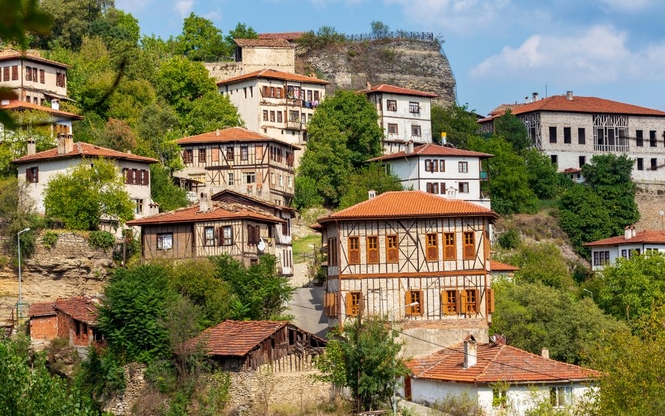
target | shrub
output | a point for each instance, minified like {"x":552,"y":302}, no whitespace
{"x":101,"y":239}
{"x":49,"y":239}
{"x":510,"y":239}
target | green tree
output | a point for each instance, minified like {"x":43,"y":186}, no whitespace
{"x":364,"y":358}
{"x":241,"y":31}
{"x":508,"y":184}
{"x":18,"y":212}
{"x":157,"y":129}
{"x":87,"y":193}
{"x":163,"y":191}
{"x":73,"y":20}
{"x":210,"y":112}
{"x":542,"y":174}
{"x":117,"y":28}
{"x":542,"y":263}
{"x":306,"y":194}
{"x":117,"y":135}
{"x":200,"y":39}
{"x":181,"y":81}
{"x":513,"y":130}
{"x":129,"y":100}
{"x":458,"y":122}
{"x":379,"y":29}
{"x":372,"y":177}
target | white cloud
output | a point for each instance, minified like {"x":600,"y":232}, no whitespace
{"x":184,"y":7}
{"x":628,"y":5}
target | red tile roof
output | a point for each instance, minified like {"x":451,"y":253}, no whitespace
{"x":42,"y":309}
{"x":81,"y":149}
{"x":22,"y":105}
{"x":9,"y":54}
{"x":391,"y":89}
{"x":497,"y":362}
{"x":642,"y":237}
{"x":236,"y":338}
{"x":231,"y":134}
{"x":273,"y":74}
{"x":82,"y":309}
{"x":290,"y":36}
{"x":192,"y":214}
{"x":431,"y":149}
{"x":560,"y":103}
{"x":409,"y":204}
{"x":264,"y":42}
{"x":497,"y":266}
{"x":221,"y":195}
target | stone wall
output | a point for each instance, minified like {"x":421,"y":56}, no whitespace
{"x":135,"y":384}
{"x":650,"y":199}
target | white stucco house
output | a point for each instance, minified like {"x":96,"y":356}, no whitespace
{"x":37,"y":168}
{"x":606,"y":251}
{"x":440,"y":170}
{"x":504,"y":379}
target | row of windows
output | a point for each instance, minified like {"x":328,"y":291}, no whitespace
{"x":434,"y":188}
{"x":291,"y":91}
{"x":581,"y":136}
{"x":653,"y":140}
{"x":653,"y":163}
{"x":279,"y":116}
{"x":414,"y":107}
{"x":136,"y":176}
{"x":275,"y":154}
{"x":249,"y":178}
{"x":14,"y":73}
{"x":415,"y":129}
{"x":439,"y":165}
{"x":31,"y":75}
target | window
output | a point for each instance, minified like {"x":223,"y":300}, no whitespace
{"x":372,"y":249}
{"x":392,"y":128}
{"x":294,"y":115}
{"x":354,"y":301}
{"x":561,"y":396}
{"x":450,"y":302}
{"x":32,"y":174}
{"x":279,"y":117}
{"x":431,"y":165}
{"x":463,"y":167}
{"x":289,"y":182}
{"x":391,"y":105}
{"x":333,"y":258}
{"x":652,"y":138}
{"x":278,"y":93}
{"x":5,"y":75}
{"x":231,"y":178}
{"x":499,"y":399}
{"x":469,"y":245}
{"x":244,"y":153}
{"x":640,"y":163}
{"x":250,"y":177}
{"x":449,"y":250}
{"x":34,"y":74}
{"x":272,"y":116}
{"x":581,"y":137}
{"x":414,"y":107}
{"x":265,"y":115}
{"x":316,"y":95}
{"x":554,"y":159}
{"x":229,"y":154}
{"x":470,"y":301}
{"x":464,"y":187}
{"x":187,"y":156}
{"x":432,"y":253}
{"x":432,"y":187}
{"x":60,"y":79}
{"x":209,"y":236}
{"x":552,"y":134}
{"x":654,"y":163}
{"x":15,"y":73}
{"x":227,"y":235}
{"x":281,"y":181}
{"x":601,"y":258}
{"x":354,"y":250}
{"x":28,"y":73}
{"x":138,"y":206}
{"x":414,"y":296}
{"x":442,"y":165}
{"x":202,"y":156}
{"x":415,"y":130}
{"x":639,"y":138}
{"x":567,"y":137}
{"x":582,"y":160}
{"x":253,"y":234}
{"x":164,"y":241}
{"x":392,"y":249}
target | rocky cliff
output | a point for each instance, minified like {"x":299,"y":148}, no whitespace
{"x":414,"y":64}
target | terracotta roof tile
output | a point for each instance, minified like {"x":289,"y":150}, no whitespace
{"x":642,"y":237}
{"x":82,"y":309}
{"x":191,"y":214}
{"x":431,"y":149}
{"x":224,"y":193}
{"x":497,"y":362}
{"x":290,"y":36}
{"x":273,"y":74}
{"x":9,"y":54}
{"x":264,"y":42}
{"x":392,"y":89}
{"x":409,"y":204}
{"x":23,"y":105}
{"x":42,"y":309}
{"x":497,"y":266}
{"x":81,"y":149}
{"x":236,"y":338}
{"x":231,"y":134}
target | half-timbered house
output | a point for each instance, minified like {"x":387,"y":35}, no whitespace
{"x":212,"y":229}
{"x":415,"y":257}
{"x":243,"y":161}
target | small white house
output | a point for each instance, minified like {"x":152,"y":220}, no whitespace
{"x":606,"y":251}
{"x":504,"y":379}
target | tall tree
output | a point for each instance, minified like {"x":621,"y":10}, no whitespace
{"x":542,"y":174}
{"x":513,"y":130}
{"x":73,"y":20}
{"x":373,"y":177}
{"x":163,"y":191}
{"x":200,"y":39}
{"x":241,"y":31}
{"x":210,"y":112}
{"x":181,"y":81}
{"x":458,"y":122}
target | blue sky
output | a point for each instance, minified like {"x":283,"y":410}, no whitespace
{"x":500,"y":50}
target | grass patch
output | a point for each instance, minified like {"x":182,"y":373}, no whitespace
{"x":548,"y":204}
{"x":301,"y":247}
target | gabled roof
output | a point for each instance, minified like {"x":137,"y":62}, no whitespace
{"x":560,"y":103}
{"x":227,"y":194}
{"x":273,"y":74}
{"x":642,"y":237}
{"x":290,"y":36}
{"x":409,"y":204}
{"x":236,"y":338}
{"x":42,"y":309}
{"x":497,"y":362}
{"x":9,"y":54}
{"x":81,"y":149}
{"x":431,"y":149}
{"x":264,"y":42}
{"x":23,"y":105}
{"x":192,"y":214}
{"x":391,"y":89}
{"x":497,"y":266}
{"x":231,"y":134}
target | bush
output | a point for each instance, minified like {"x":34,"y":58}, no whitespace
{"x":101,"y":239}
{"x":510,"y":239}
{"x":49,"y":239}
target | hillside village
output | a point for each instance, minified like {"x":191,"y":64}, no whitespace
{"x":254,"y":233}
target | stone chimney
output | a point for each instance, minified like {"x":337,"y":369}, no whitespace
{"x":569,"y":95}
{"x":470,"y":352}
{"x":629,"y":232}
{"x":545,"y":353}
{"x":55,"y":104}
{"x":535,"y":96}
{"x":371,"y":194}
{"x":205,"y":203}
{"x":32,"y":147}
{"x":409,"y":147}
{"x":65,"y":143}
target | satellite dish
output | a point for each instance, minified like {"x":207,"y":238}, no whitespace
{"x":261,"y":245}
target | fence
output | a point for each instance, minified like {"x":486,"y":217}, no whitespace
{"x":398,"y":34}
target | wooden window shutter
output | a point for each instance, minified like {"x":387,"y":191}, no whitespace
{"x":36,"y":174}
{"x":250,"y":234}
{"x":145,"y":177}
{"x":445,"y":309}
{"x":407,"y":300}
{"x":476,"y":306}
{"x":258,"y":150}
{"x":489,"y":300}
{"x":469,"y":251}
{"x":259,"y":180}
{"x":432,"y":252}
{"x":463,"y":301}
{"x":220,"y":236}
{"x":458,"y":302}
{"x":450,"y":252}
{"x":135,"y":177}
{"x":28,"y":175}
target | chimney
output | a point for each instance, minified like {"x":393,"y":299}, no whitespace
{"x":569,"y":95}
{"x":217,"y":132}
{"x":545,"y":353}
{"x":444,"y":138}
{"x":632,"y":231}
{"x":470,"y":352}
{"x":371,"y":194}
{"x":205,"y":203}
{"x":627,"y":232}
{"x":526,"y":99}
{"x":535,"y":96}
{"x":368,"y":86}
{"x":32,"y":148}
{"x":65,"y":143}
{"x":55,"y":104}
{"x":409,"y":147}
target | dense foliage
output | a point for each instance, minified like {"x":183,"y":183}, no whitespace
{"x":458,"y":122}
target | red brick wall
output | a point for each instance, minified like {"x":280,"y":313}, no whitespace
{"x":44,"y":327}
{"x":67,"y":329}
